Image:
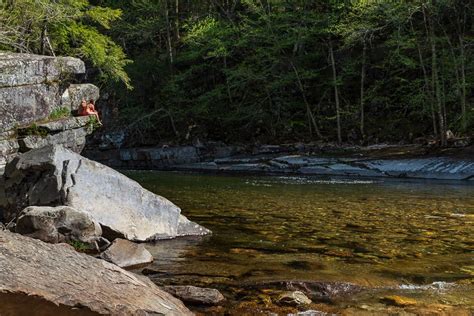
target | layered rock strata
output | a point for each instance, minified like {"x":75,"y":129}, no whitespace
{"x":32,"y":88}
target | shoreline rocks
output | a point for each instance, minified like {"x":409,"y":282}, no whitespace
{"x":127,"y":254}
{"x":405,"y":162}
{"x":58,"y":224}
{"x":195,"y":295}
{"x":53,"y":175}
{"x":41,"y":278}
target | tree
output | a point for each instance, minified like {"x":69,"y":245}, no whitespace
{"x":66,"y":27}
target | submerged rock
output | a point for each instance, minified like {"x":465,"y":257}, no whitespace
{"x":396,"y":300}
{"x":295,"y":298}
{"x":53,"y":175}
{"x":58,"y":224}
{"x":127,"y":254}
{"x":317,"y":290}
{"x":195,"y":295}
{"x":37,"y":278}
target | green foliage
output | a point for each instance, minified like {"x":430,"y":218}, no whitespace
{"x":59,"y":113}
{"x":248,"y":70}
{"x":33,"y":130}
{"x":64,"y":27}
{"x":79,"y":245}
{"x":93,"y":123}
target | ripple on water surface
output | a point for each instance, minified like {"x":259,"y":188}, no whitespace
{"x":409,"y":236}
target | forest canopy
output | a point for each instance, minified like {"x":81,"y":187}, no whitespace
{"x":266,"y":70}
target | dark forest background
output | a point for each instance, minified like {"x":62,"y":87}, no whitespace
{"x":264,"y":70}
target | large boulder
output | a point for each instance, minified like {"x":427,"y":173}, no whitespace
{"x":58,"y":224}
{"x":37,"y":278}
{"x":53,"y":175}
{"x":127,"y":254}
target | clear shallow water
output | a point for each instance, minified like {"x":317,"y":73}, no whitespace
{"x":413,"y":238}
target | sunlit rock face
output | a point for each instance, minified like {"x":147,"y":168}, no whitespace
{"x":38,"y":278}
{"x":32,"y":87}
{"x":54,"y":175}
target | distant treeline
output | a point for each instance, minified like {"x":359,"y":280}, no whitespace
{"x":267,"y":70}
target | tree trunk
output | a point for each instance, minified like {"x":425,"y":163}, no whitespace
{"x":227,"y":81}
{"x":463,"y":84}
{"x":336,"y":93}
{"x":309,"y":113}
{"x":427,"y":85}
{"x":168,"y":34}
{"x":362,"y":81}
{"x":437,"y":86}
{"x":176,"y":25}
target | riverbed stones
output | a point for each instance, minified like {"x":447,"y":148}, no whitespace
{"x":53,"y":175}
{"x":127,"y":254}
{"x":38,"y":278}
{"x":400,"y":301}
{"x":58,"y":224}
{"x":294,"y":298}
{"x":195,"y":295}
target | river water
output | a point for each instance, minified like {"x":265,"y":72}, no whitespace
{"x":413,"y":239}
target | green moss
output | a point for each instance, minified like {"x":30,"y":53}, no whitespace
{"x":59,"y":113}
{"x":79,"y":245}
{"x":33,"y":129}
{"x":93,"y":124}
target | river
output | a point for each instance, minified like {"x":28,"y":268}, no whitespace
{"x":414,"y":239}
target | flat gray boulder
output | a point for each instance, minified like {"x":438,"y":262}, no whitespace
{"x":38,"y":278}
{"x":53,"y":175}
{"x":127,"y":254}
{"x":195,"y":295}
{"x":58,"y":224}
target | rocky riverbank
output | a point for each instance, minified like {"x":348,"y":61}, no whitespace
{"x":65,"y":205}
{"x":393,"y":161}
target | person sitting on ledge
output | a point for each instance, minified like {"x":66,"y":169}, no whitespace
{"x":89,"y":109}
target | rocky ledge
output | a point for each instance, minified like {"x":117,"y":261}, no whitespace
{"x":37,"y":278}
{"x":408,"y":161}
{"x":443,"y":168}
{"x":34,"y":90}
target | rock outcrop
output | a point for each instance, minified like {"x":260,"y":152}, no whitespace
{"x":443,"y":168}
{"x":32,"y":88}
{"x":127,"y":254}
{"x":37,"y":278}
{"x":53,"y":175}
{"x":69,"y":132}
{"x":195,"y":295}
{"x":58,"y":224}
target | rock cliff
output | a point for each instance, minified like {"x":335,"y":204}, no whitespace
{"x":37,"y":96}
